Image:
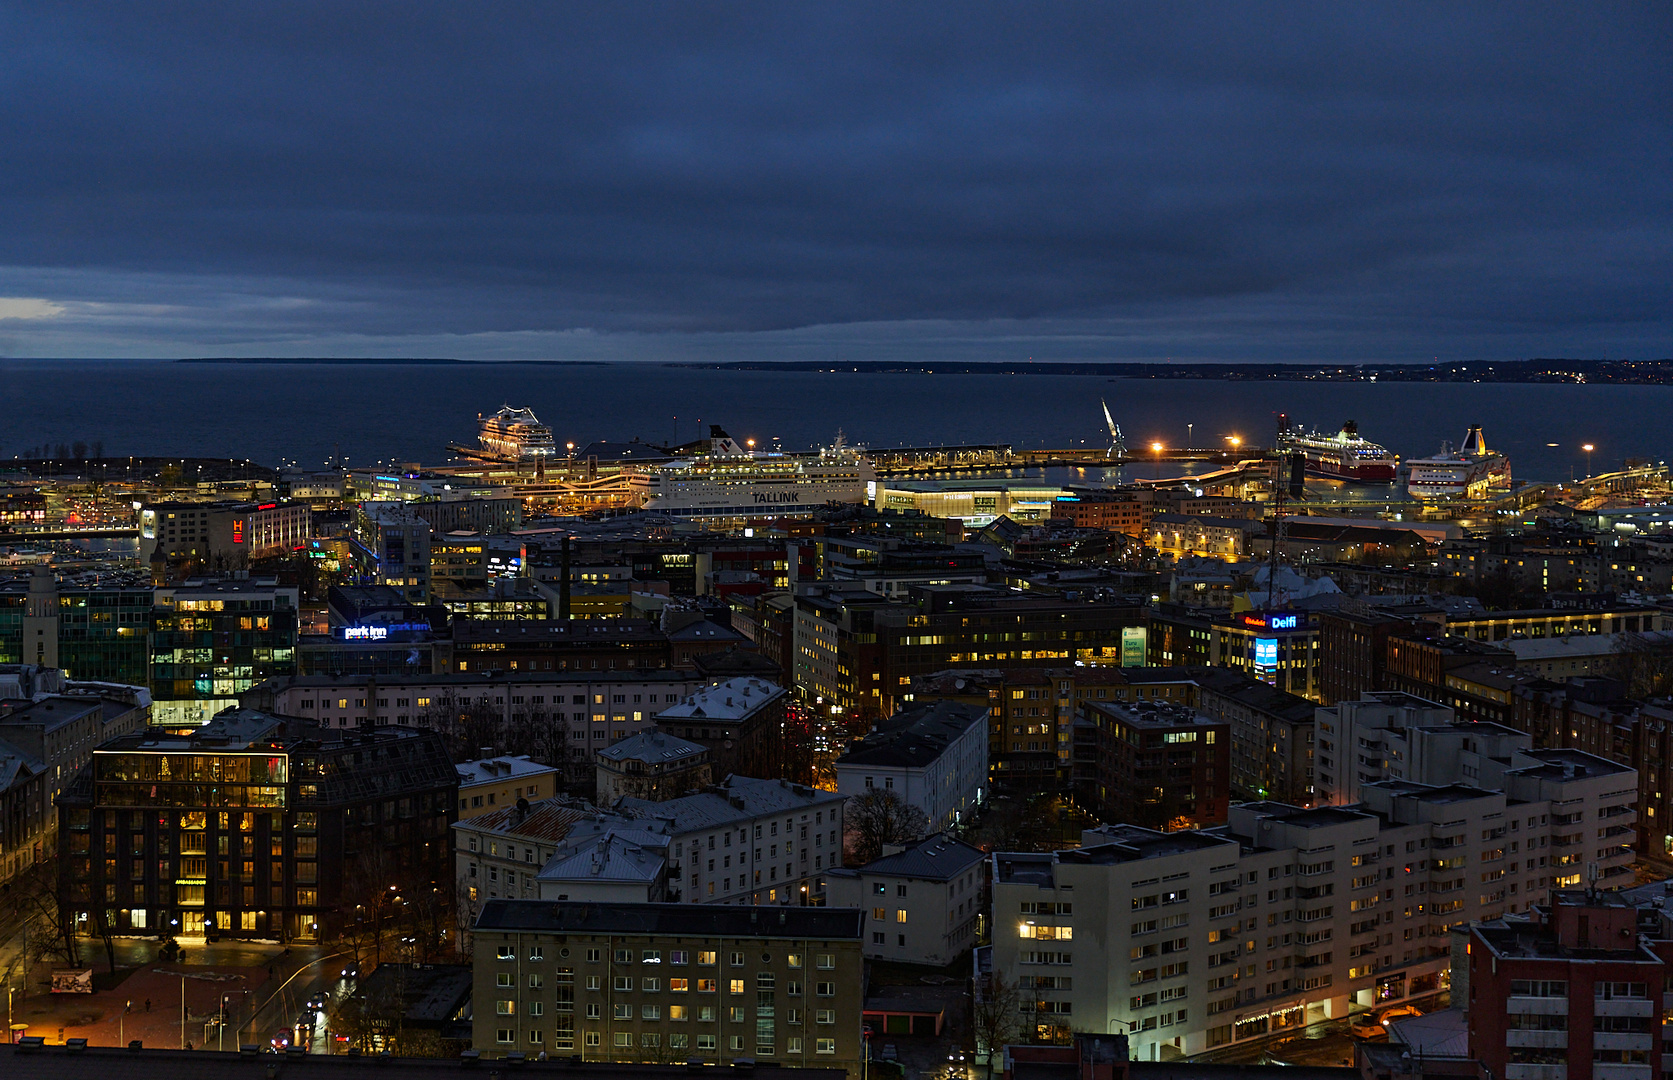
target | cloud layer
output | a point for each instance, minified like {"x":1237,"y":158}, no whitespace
{"x":688,"y":181}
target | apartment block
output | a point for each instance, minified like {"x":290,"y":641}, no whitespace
{"x":574,"y":713}
{"x":933,"y":756}
{"x":1160,"y":764}
{"x":1575,"y":993}
{"x":670,"y":983}
{"x":1284,"y":917}
{"x":923,"y":902}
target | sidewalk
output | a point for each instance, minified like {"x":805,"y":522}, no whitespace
{"x":206,"y":974}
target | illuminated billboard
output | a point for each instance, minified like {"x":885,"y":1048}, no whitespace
{"x":1266,"y":652}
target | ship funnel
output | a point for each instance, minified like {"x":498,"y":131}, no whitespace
{"x":722,"y":444}
{"x":1350,"y":429}
{"x":1474,"y":444}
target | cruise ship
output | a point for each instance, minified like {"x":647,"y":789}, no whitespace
{"x":731,"y":484}
{"x":1342,"y":456}
{"x":1468,"y":473}
{"x":514,"y":435}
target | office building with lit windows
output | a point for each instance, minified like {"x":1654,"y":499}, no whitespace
{"x":670,"y":982}
{"x":254,"y":826}
{"x":214,"y":638}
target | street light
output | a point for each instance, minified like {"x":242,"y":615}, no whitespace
{"x":1588,"y":448}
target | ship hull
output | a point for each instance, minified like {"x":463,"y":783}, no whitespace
{"x":1357,"y":472}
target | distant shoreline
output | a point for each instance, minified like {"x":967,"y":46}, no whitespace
{"x":1604,"y":372}
{"x":400,"y":361}
{"x":1619,"y":372}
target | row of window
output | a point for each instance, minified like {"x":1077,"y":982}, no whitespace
{"x":705,"y":957}
{"x":652,"y":1040}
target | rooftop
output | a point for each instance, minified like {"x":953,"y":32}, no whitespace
{"x":733,"y":699}
{"x":934,"y":858}
{"x":740,"y":798}
{"x":670,"y":920}
{"x":550,"y":820}
{"x":655,"y":747}
{"x":1561,"y":763}
{"x":488,"y":770}
{"x":612,"y":857}
{"x":915,"y":737}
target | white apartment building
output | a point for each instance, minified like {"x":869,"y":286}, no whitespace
{"x":934,"y":756}
{"x":922,"y":902}
{"x":747,"y":841}
{"x":1348,"y":737}
{"x":1189,"y":941}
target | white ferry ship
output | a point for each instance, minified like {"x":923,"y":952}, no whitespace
{"x":1342,"y":456}
{"x":734,"y":484}
{"x":1469,"y":473}
{"x":515,"y":435}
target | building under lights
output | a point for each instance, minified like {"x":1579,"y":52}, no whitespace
{"x":254,"y":826}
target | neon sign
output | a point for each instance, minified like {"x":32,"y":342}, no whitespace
{"x":1288,"y":621}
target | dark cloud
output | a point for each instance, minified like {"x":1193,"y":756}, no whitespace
{"x":683,"y":180}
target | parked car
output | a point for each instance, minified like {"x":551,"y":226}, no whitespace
{"x":889,"y":1051}
{"x":1366,"y":1025}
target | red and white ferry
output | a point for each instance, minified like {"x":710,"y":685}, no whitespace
{"x":1342,"y":456}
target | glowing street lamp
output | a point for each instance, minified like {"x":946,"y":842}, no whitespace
{"x":1588,"y":447}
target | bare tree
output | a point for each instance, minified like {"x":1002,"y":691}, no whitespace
{"x":996,"y":1016}
{"x":1645,"y":666}
{"x":877,"y":818}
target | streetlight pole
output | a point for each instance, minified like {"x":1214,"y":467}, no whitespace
{"x":1588,"y":447}
{"x":182,"y":1012}
{"x":121,"y":1024}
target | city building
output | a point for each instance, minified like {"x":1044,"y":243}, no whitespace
{"x":214,"y":638}
{"x":499,"y":852}
{"x":1271,"y":736}
{"x":933,"y":756}
{"x":1032,"y":710}
{"x":856,"y":652}
{"x":740,"y":722}
{"x":222,"y":535}
{"x":1158,"y":764}
{"x":27,"y":818}
{"x":389,"y":543}
{"x":660,"y":982}
{"x":1286,"y":917}
{"x":923,"y":901}
{"x":485,"y":645}
{"x":747,"y":841}
{"x":1182,"y":535}
{"x":502,"y":598}
{"x":1574,"y":992}
{"x":491,"y":783}
{"x":53,"y":735}
{"x":311,"y":822}
{"x":94,"y":630}
{"x":652,"y":765}
{"x":474,"y":557}
{"x":567,"y":715}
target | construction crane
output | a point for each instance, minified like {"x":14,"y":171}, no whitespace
{"x":1118,"y":445}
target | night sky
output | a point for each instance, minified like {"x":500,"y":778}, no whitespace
{"x":823,"y":181}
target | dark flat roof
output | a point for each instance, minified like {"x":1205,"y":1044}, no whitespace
{"x":670,"y":920}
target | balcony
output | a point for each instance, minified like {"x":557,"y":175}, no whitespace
{"x":1543,"y":1006}
{"x":1622,"y":1007}
{"x":1621,"y":1040}
{"x":1543,"y":1040}
{"x":1519,"y":1071}
{"x":1602,"y":1071}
